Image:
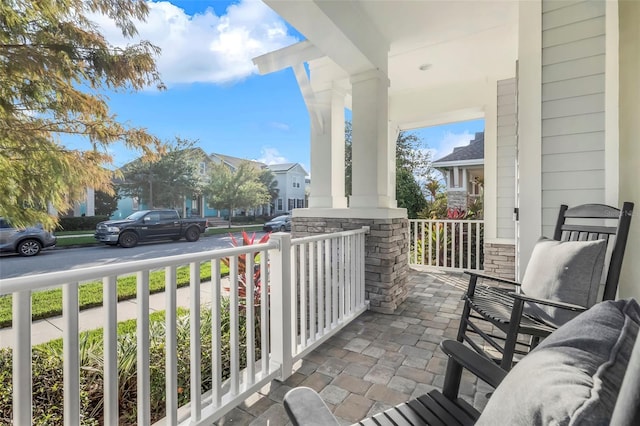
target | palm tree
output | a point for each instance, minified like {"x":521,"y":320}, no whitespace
{"x":433,"y":187}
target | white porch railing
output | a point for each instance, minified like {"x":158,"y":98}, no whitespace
{"x":446,"y":244}
{"x":316,"y":287}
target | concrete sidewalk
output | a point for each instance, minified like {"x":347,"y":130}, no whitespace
{"x":90,"y":319}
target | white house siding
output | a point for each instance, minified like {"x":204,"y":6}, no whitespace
{"x":286,"y":190}
{"x":506,"y":151}
{"x":573,"y":119}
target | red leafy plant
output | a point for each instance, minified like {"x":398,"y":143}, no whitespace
{"x":242,"y":267}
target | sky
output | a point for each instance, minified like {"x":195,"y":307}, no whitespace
{"x":214,"y":93}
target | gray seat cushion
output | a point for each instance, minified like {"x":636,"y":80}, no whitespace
{"x":563,"y":271}
{"x":573,"y":376}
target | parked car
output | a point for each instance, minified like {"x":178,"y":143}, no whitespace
{"x":280,"y":223}
{"x":148,"y":225}
{"x":27,"y":241}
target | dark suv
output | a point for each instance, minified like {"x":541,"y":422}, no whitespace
{"x":24,"y":241}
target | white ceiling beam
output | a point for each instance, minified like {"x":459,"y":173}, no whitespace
{"x":289,"y":56}
{"x":328,"y":24}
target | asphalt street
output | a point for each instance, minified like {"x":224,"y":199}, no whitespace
{"x":60,"y":259}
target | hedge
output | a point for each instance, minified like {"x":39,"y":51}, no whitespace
{"x":82,"y":223}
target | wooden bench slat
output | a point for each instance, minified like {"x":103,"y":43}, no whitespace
{"x":461,"y":415}
{"x":434,"y":409}
{"x":396,"y":417}
{"x":368,"y":422}
{"x":415,"y":418}
{"x":381,"y":419}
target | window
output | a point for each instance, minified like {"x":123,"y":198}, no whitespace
{"x":279,"y":204}
{"x":299,"y":203}
{"x":203,"y":168}
{"x":168,"y":215}
{"x":292,"y":204}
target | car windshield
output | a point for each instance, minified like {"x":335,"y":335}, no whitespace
{"x":280,"y":219}
{"x":136,"y":215}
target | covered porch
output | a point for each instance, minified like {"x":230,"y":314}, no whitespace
{"x":377,"y":361}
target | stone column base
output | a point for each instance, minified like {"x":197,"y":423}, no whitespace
{"x":386,"y":258}
{"x":500,"y":260}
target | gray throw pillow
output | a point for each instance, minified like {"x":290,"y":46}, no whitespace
{"x":574,"y":376}
{"x":564,"y":271}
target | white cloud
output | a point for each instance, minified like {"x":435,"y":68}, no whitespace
{"x":448,"y":142}
{"x":271,"y":156}
{"x":280,"y":126}
{"x":205,"y":47}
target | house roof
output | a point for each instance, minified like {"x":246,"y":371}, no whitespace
{"x":235,"y":161}
{"x":468,"y":153}
{"x":285,"y":167}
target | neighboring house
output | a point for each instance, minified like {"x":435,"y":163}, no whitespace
{"x":192,"y":205}
{"x":82,"y":208}
{"x":291,"y":179}
{"x":233,"y":163}
{"x":463,"y":172}
{"x":291,"y":186}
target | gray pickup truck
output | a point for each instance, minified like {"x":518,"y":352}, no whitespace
{"x":149,"y":225}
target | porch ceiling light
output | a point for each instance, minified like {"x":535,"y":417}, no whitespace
{"x":424,"y":67}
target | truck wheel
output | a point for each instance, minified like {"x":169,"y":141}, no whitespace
{"x":192,"y":234}
{"x":29,"y":248}
{"x":128,"y":240}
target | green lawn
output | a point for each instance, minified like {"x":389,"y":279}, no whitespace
{"x":89,"y":240}
{"x":48,"y":303}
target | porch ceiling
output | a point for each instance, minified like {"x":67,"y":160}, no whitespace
{"x":460,"y":41}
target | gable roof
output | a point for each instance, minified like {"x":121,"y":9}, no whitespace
{"x":285,"y":167}
{"x":235,"y":161}
{"x":466,"y":154}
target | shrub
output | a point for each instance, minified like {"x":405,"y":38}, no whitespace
{"x":48,"y":376}
{"x":82,"y":223}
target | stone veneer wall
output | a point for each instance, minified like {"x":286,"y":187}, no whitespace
{"x":386,"y":259}
{"x":457,"y":199}
{"x":500,"y":260}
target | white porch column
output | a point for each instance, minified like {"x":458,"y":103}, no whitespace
{"x":327,"y":151}
{"x":373,"y":173}
{"x":529,"y":131}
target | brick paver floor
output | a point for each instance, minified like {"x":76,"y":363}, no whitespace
{"x":378,"y":360}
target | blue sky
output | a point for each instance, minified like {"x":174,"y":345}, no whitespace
{"x":215,"y":95}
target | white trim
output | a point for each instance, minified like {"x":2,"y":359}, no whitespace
{"x":490,"y":169}
{"x":500,"y":241}
{"x":466,"y":114}
{"x":529,"y":128}
{"x":286,"y":57}
{"x":458,"y":163}
{"x":352,"y":213}
{"x":611,"y":102}
{"x":317,"y":124}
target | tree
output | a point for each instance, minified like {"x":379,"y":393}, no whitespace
{"x":233,"y":189}
{"x":348,"y":153}
{"x":269,"y":181}
{"x":165,"y":181}
{"x":55,"y":69}
{"x":433,"y":187}
{"x":106,"y":204}
{"x":409,"y":156}
{"x":408,"y":193}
